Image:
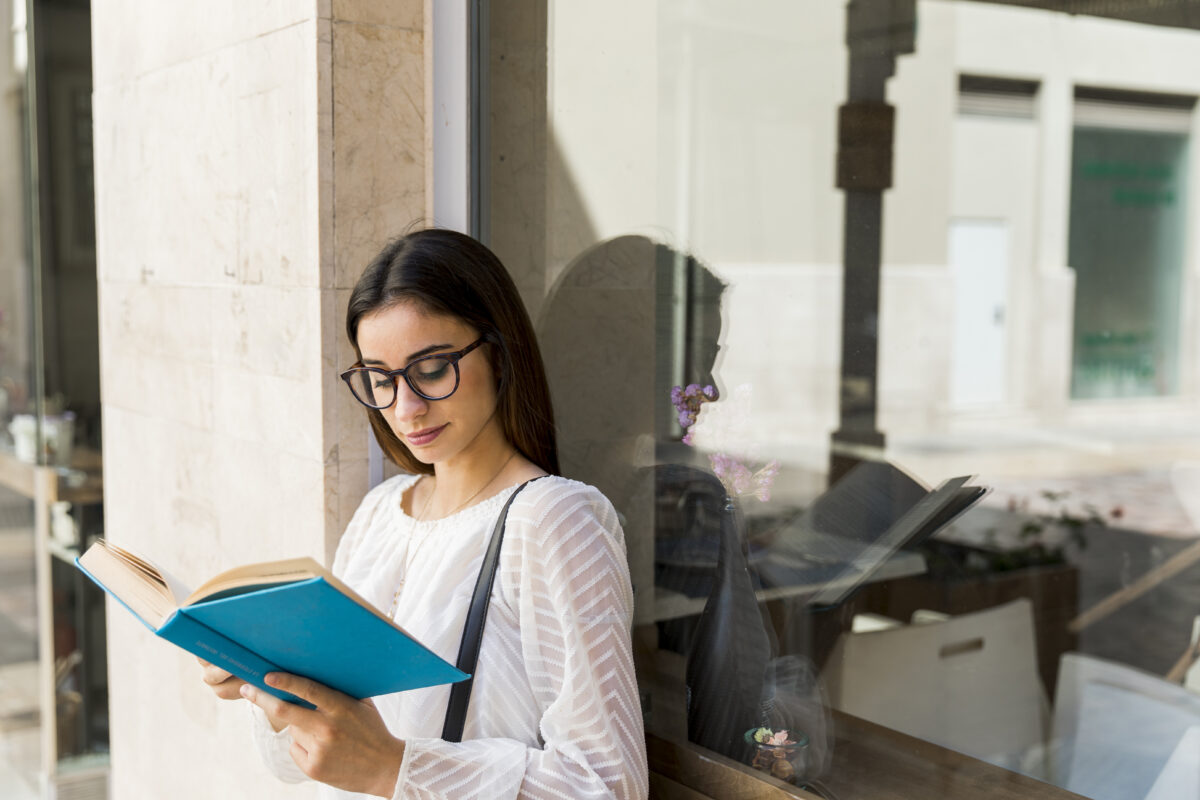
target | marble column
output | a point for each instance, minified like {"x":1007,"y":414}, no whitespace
{"x":250,"y":158}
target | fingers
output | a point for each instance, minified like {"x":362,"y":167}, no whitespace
{"x":214,"y":675}
{"x":277,"y":709}
{"x":223,"y":684}
{"x":300,"y":755}
{"x":318,"y":694}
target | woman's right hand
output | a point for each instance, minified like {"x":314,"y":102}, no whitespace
{"x":222,"y":682}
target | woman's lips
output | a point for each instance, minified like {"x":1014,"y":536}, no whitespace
{"x":424,"y":437}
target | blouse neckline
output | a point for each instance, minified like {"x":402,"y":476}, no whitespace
{"x":488,"y":506}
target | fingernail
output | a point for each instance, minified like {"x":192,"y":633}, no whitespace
{"x":271,"y":679}
{"x":247,"y":691}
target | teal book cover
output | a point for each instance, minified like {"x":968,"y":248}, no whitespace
{"x":312,"y":626}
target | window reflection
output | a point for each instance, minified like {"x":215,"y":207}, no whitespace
{"x":671,"y":180}
{"x":1128,"y":212}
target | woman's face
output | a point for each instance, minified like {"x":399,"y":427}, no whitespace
{"x":435,"y":431}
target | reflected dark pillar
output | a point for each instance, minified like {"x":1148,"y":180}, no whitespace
{"x":857,"y":433}
{"x":876,"y":32}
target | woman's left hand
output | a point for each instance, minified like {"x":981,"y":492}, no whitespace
{"x":343,"y":742}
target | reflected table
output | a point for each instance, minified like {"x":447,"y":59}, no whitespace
{"x":803,"y":579}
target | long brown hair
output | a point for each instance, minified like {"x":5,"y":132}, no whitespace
{"x":449,"y":273}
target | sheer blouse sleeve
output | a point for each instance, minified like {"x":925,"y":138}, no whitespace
{"x":564,"y":573}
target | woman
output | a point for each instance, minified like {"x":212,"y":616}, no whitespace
{"x":450,"y":372}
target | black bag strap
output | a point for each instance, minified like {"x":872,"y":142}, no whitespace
{"x":468,"y":648}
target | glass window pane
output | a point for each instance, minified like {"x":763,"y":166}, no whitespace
{"x":880,"y":333}
{"x":53,"y":683}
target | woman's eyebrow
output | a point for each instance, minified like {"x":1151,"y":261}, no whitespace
{"x":433,"y":348}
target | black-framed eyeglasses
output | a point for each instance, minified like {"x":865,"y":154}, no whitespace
{"x":434,"y":377}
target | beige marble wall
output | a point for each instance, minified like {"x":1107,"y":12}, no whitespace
{"x":377,"y":178}
{"x":249,"y":160}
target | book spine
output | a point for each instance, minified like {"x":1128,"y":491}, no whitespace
{"x":201,"y":640}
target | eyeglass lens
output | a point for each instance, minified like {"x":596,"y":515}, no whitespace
{"x":433,"y":378}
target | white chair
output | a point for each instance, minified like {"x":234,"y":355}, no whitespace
{"x":1180,"y":778}
{"x":1191,"y":675}
{"x":1115,"y":729}
{"x":969,"y":682}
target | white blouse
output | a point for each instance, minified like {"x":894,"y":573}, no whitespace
{"x":554,"y":710}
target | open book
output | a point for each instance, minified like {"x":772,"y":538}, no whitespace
{"x":853,"y":529}
{"x":282,"y":616}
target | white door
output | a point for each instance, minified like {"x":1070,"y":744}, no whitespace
{"x":978,"y":256}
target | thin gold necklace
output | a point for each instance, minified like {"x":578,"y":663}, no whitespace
{"x":428,"y":500}
{"x":408,"y":559}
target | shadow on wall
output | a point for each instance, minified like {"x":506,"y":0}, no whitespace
{"x":536,"y":218}
{"x":627,"y":320}
{"x":620,"y":322}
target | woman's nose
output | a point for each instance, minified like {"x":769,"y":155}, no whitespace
{"x":409,"y":405}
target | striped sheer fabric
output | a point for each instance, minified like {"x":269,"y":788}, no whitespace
{"x":554,"y":711}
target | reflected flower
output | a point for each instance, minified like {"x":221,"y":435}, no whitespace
{"x":739,"y":479}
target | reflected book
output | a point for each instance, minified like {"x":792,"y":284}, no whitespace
{"x":283,"y":616}
{"x":855,"y":528}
